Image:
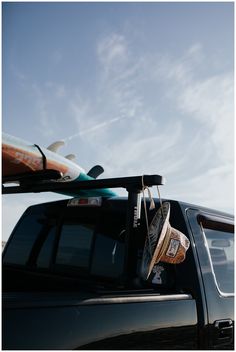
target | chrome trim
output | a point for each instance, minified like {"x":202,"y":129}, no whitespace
{"x":38,"y":301}
{"x":135,"y":299}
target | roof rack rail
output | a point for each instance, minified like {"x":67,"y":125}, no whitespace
{"x":131,"y":182}
{"x":31,"y":177}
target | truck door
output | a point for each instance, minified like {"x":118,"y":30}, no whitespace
{"x":214,"y":240}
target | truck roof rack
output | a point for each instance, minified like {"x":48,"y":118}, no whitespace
{"x":28,"y":184}
{"x":33,"y":177}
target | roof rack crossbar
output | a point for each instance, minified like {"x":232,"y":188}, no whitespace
{"x":132,"y":182}
{"x":30,"y":177}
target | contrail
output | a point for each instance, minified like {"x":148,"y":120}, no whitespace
{"x":94,"y":128}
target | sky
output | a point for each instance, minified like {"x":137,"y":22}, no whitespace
{"x":139,"y":88}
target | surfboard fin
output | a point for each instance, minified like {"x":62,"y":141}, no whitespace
{"x":70,"y":157}
{"x":96,"y":171}
{"x":55,"y":146}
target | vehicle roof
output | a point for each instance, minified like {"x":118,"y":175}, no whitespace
{"x":184,"y":205}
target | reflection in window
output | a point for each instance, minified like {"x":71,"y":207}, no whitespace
{"x":74,"y":245}
{"x":108,"y":257}
{"x":23,"y":240}
{"x":45,"y":253}
{"x":221,"y":248}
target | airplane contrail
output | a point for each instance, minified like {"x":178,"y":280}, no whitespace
{"x":94,"y":128}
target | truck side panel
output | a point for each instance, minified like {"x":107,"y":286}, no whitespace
{"x":112,"y":322}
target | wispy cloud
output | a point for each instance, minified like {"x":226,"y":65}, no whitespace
{"x":94,"y":128}
{"x":112,"y":52}
{"x":185,"y":133}
{"x":210,"y":102}
{"x":150,"y":113}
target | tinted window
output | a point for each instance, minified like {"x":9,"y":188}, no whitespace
{"x":109,"y":245}
{"x":221,"y":248}
{"x":45,"y":253}
{"x":25,"y":235}
{"x":92,"y":246}
{"x":74,"y":245}
{"x":108,"y":257}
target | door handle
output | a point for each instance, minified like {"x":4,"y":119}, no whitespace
{"x":224,"y":329}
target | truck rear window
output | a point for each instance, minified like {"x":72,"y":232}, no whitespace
{"x":75,"y":245}
{"x":91,"y":248}
{"x":27,"y":231}
{"x":79,"y":242}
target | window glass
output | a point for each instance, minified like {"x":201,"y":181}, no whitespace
{"x":74,"y":245}
{"x":109,"y":246}
{"x":221,"y":248}
{"x":108,"y":257}
{"x":82,"y":250}
{"x":25,"y":235}
{"x":45,"y":253}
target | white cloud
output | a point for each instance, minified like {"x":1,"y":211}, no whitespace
{"x":211,"y":103}
{"x":155,"y":114}
{"x":206,"y":106}
{"x":112,"y":50}
{"x":192,"y":148}
{"x":213,"y":188}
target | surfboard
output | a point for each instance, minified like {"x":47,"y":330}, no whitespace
{"x":21,"y":158}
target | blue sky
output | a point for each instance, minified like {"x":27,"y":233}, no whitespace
{"x":137,"y":87}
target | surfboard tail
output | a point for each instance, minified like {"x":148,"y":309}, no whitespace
{"x":27,"y":163}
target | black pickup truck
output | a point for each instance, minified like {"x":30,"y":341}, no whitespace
{"x":71,"y":279}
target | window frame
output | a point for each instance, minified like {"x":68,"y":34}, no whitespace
{"x":221,"y":224}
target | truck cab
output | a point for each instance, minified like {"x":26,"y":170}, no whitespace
{"x":71,"y":280}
